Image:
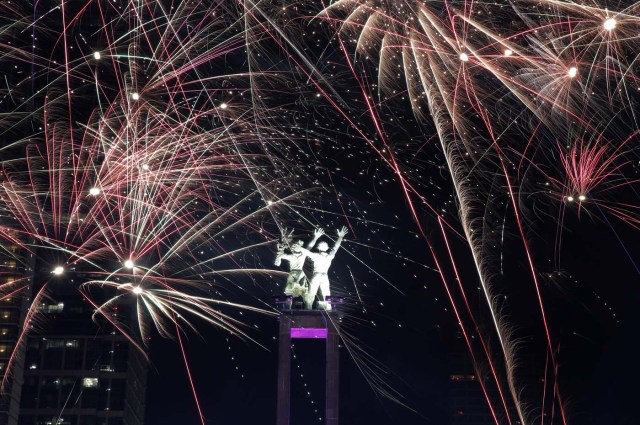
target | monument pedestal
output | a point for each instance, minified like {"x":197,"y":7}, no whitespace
{"x":316,"y":324}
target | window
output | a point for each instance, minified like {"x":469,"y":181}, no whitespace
{"x":72,"y":343}
{"x":90,"y":382}
{"x":53,"y":344}
{"x":10,"y":264}
{"x":52,"y":308}
{"x":5,"y":349}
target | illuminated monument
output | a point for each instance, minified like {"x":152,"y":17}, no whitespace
{"x":299,"y":323}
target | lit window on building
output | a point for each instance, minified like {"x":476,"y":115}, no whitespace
{"x":11,"y":264}
{"x":460,"y":378}
{"x":4,"y":349}
{"x":5,"y":315}
{"x":90,"y":382}
{"x":52,"y":308}
{"x":72,"y":343}
{"x":57,"y":421}
{"x":4,"y":331}
{"x":50,"y":344}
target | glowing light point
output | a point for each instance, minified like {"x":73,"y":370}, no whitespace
{"x":508,"y":52}
{"x":145,"y":166}
{"x":129,"y":264}
{"x":135,"y":96}
{"x":96,"y":55}
{"x":94,"y":191}
{"x":269,"y":202}
{"x":464,"y":57}
{"x":570,"y":198}
{"x":58,"y":270}
{"x":223,"y":106}
{"x":609,"y":24}
{"x":572,"y":72}
{"x":582,"y":198}
{"x":137,"y":290}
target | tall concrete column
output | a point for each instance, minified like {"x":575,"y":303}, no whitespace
{"x":284,"y":371}
{"x":332,"y":395}
{"x":310,"y":324}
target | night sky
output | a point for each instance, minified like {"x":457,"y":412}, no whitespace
{"x":484,"y":158}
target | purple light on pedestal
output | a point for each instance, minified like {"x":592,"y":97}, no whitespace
{"x":309,"y":333}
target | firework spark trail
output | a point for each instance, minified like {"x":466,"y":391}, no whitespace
{"x":534,"y":277}
{"x":32,"y":312}
{"x":405,"y":188}
{"x":485,"y":347}
{"x":542,"y":76}
{"x":505,"y":343}
{"x":302,"y":63}
{"x":163,"y":128}
{"x":188,"y":369}
{"x":158,"y":172}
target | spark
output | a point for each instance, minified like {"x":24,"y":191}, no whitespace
{"x":609,"y":24}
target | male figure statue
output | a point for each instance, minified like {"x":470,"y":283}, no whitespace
{"x":295,"y":285}
{"x":321,"y":263}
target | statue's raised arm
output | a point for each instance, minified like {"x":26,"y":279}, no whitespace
{"x":319,"y":231}
{"x":342,"y":232}
{"x":285,"y":240}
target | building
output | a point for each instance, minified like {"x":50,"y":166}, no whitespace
{"x":16,"y":269}
{"x":67,"y":369}
{"x":76,"y":371}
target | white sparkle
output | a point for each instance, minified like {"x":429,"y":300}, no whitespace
{"x":609,"y":24}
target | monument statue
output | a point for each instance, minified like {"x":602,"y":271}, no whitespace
{"x":321,"y":263}
{"x":296,"y":285}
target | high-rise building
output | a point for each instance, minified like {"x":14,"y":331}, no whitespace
{"x":16,"y":268}
{"x":77,"y":371}
{"x":467,"y":402}
{"x":68,"y":370}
